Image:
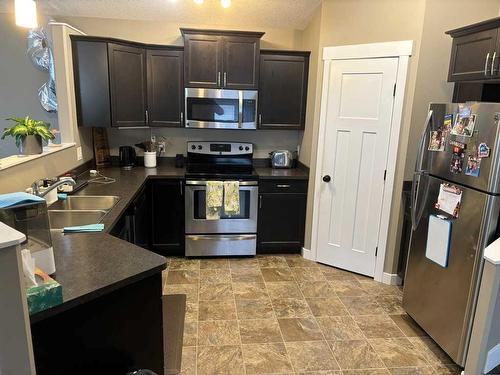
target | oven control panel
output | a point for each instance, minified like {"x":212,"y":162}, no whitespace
{"x":219,"y":148}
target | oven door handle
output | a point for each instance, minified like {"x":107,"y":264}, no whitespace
{"x":222,"y":237}
{"x":204,"y":183}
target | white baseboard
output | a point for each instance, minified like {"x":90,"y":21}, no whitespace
{"x":391,"y":279}
{"x":307,"y":254}
{"x":493,"y":359}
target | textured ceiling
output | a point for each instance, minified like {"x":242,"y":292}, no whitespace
{"x":293,"y":14}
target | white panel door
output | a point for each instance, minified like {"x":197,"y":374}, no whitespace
{"x":358,"y":112}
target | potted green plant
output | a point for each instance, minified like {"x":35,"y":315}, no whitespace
{"x":28,"y":134}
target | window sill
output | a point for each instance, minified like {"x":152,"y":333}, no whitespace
{"x":12,"y":161}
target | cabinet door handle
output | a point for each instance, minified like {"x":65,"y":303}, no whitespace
{"x":283,"y":186}
{"x":486,"y":64}
{"x":260,"y":119}
{"x":260,"y":201}
{"x":225,"y":79}
{"x":180,"y":186}
{"x":218,"y":79}
{"x":147,"y":117}
{"x":493,"y":62}
{"x":182,"y":118}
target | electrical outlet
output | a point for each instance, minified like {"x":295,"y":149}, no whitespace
{"x":161,"y":146}
{"x":153,"y":138}
{"x":79,"y":154}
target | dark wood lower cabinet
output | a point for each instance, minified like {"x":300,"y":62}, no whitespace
{"x":282,"y":217}
{"x":113,"y":334}
{"x":167,"y":210}
{"x":142,"y":218}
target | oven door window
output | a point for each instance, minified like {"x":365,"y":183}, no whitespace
{"x":200,"y":206}
{"x":212,"y":110}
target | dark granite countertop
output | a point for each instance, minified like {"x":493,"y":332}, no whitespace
{"x":90,"y":265}
{"x":266,"y":173}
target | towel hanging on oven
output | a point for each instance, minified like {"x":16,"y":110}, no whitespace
{"x":232,"y":197}
{"x":214,"y":194}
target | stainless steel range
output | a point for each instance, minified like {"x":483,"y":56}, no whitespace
{"x":234,"y":234}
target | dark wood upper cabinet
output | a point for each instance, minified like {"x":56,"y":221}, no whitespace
{"x":475,"y":52}
{"x":203,"y":65}
{"x":127,"y":79}
{"x":221,"y":59}
{"x":165,"y":87}
{"x":240,"y":62}
{"x":283,"y":89}
{"x":127,"y":84}
{"x":90,"y":68}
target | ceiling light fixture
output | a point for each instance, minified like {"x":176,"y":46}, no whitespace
{"x":225,"y":3}
{"x":26,"y":13}
{"x":199,"y":2}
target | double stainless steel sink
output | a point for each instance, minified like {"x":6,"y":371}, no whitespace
{"x":80,"y":210}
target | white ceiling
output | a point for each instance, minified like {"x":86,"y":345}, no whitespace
{"x":290,"y":14}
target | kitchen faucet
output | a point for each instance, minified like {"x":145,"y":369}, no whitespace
{"x":36,"y":187}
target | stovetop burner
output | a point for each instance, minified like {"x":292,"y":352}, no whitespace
{"x":220,"y":160}
{"x":221,"y":176}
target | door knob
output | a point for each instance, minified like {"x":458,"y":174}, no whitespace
{"x":327,"y":178}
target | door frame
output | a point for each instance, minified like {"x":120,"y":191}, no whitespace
{"x":401,"y":50}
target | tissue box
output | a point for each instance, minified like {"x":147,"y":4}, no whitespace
{"x":47,"y":294}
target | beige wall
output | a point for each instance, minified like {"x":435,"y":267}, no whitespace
{"x":343,"y":22}
{"x":336,"y":28}
{"x":168,"y":33}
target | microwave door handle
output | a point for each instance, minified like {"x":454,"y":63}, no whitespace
{"x":240,"y":108}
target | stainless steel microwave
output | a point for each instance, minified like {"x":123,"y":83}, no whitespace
{"x":221,"y":109}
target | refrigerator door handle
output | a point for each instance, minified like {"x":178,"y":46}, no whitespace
{"x":420,"y":154}
{"x":414,"y":201}
{"x":416,"y":186}
{"x":418,"y":173}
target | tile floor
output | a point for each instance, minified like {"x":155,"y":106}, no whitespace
{"x":287,"y":315}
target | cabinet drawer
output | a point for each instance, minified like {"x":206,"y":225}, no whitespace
{"x":283,"y":186}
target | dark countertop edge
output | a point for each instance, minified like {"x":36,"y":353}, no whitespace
{"x":291,"y":177}
{"x":67,"y":305}
{"x":304,"y":176}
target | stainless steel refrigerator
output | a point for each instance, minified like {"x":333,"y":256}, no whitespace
{"x":463,"y":155}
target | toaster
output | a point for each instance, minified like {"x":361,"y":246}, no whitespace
{"x":281,"y":159}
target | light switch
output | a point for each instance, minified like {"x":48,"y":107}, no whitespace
{"x":79,"y":155}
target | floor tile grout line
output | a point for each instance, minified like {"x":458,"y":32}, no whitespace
{"x":276,"y":319}
{"x":322,"y":333}
{"x":239,"y":331}
{"x":368,"y":339}
{"x":279,"y":327}
{"x":363,"y":333}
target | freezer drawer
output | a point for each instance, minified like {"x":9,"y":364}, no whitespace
{"x":442,"y":299}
